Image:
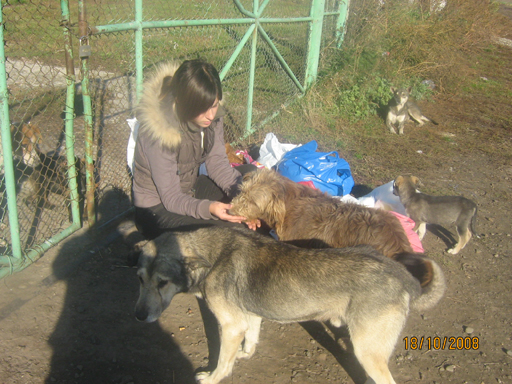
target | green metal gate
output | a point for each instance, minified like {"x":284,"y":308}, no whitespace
{"x":70,"y":76}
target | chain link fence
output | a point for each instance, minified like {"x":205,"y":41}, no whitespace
{"x":261,"y":51}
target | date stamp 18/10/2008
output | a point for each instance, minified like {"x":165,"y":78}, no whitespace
{"x":441,"y":343}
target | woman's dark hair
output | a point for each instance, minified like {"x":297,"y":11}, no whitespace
{"x":194,"y":87}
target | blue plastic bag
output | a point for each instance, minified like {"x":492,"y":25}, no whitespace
{"x":328,"y":172}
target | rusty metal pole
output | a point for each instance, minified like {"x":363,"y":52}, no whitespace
{"x":84,"y":52}
{"x":69,"y":115}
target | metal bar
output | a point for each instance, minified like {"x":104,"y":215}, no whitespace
{"x":9,"y":179}
{"x":88,"y":128}
{"x":342,"y":21}
{"x":69,"y":115}
{"x":133,"y":26}
{"x":315,"y":40}
{"x":34,"y":253}
{"x":139,"y":66}
{"x":252,"y":71}
{"x":262,"y":7}
{"x":280,"y":59}
{"x":236,"y":52}
{"x":243,"y":10}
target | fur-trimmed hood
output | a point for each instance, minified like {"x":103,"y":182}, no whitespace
{"x":152,"y":120}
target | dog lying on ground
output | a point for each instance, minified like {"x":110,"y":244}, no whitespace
{"x":308,"y":217}
{"x":441,"y":210}
{"x":245,"y":276}
{"x":401,"y":109}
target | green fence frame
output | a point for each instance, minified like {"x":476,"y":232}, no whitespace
{"x":256,"y":23}
{"x":255,"y":29}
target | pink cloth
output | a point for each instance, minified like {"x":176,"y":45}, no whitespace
{"x":309,"y":183}
{"x":408,"y":225}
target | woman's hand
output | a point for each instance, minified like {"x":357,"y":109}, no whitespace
{"x":253,"y":224}
{"x":221,"y":211}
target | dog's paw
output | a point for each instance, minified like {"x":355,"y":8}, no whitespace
{"x":203,"y":377}
{"x":246,"y":351}
{"x":243,"y":354}
{"x":453,"y":251}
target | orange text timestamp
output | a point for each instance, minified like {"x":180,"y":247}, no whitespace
{"x":441,"y":342}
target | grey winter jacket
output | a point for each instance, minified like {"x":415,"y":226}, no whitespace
{"x":168,"y":155}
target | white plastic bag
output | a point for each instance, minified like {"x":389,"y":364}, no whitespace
{"x":382,"y":197}
{"x":271,"y":151}
{"x":130,"y":149}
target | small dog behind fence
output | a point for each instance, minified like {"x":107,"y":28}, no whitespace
{"x":37,"y":174}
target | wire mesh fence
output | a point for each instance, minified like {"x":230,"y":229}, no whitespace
{"x":38,"y":75}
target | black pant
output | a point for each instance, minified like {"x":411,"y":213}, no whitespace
{"x":155,"y":220}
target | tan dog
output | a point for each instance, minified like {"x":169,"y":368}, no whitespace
{"x":441,"y":210}
{"x":26,"y":138}
{"x":245,"y":276}
{"x":307,"y":217}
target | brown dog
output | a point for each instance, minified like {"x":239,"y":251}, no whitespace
{"x":441,"y":210}
{"x":26,"y":138}
{"x":307,"y":217}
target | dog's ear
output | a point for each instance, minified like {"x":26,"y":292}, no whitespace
{"x":392,"y":89}
{"x":396,"y":185}
{"x":149,"y":249}
{"x":416,"y":181}
{"x":196,"y":262}
{"x":409,"y":89}
{"x":143,"y":255}
{"x":248,"y":176}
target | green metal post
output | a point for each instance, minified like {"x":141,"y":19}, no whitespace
{"x":252,"y":71}
{"x":139,"y":54}
{"x":342,"y":21}
{"x":88,"y":128}
{"x":315,"y":40}
{"x":9,"y":179}
{"x":69,"y":115}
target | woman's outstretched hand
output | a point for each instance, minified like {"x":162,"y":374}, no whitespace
{"x":221,"y":211}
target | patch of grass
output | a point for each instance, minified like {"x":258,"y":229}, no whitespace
{"x":346,"y":110}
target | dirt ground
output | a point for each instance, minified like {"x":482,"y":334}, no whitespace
{"x":69,"y":318}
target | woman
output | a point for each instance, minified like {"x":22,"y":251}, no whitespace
{"x":181,"y":127}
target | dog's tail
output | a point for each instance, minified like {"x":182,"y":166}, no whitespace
{"x":430,"y":276}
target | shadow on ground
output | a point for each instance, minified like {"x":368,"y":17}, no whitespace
{"x":96,"y":338}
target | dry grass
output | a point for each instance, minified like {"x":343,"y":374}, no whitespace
{"x":436,"y":46}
